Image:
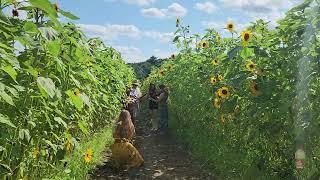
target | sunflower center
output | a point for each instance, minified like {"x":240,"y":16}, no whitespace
{"x":246,"y":36}
{"x":204,"y":44}
{"x":251,"y":66}
{"x":255,"y":87}
{"x":224,"y":92}
{"x":230,"y":26}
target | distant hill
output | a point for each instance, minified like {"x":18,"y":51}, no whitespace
{"x":143,"y":69}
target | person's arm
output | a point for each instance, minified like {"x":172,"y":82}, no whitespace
{"x":159,"y":98}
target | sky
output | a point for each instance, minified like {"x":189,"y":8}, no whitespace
{"x":142,"y":28}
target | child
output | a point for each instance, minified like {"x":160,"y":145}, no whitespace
{"x":124,"y":154}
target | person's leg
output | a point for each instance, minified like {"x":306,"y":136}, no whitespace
{"x":154,"y":120}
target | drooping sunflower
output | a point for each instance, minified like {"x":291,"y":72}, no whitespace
{"x":246,"y":37}
{"x":216,"y":103}
{"x":220,"y":77}
{"x":255,"y":90}
{"x":88,"y":155}
{"x":230,"y":26}
{"x":213,"y":80}
{"x":56,"y":7}
{"x":215,"y":62}
{"x":224,"y":92}
{"x":77,"y":92}
{"x":251,"y":66}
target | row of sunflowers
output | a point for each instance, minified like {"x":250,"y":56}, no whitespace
{"x":57,"y":90}
{"x":246,"y":102}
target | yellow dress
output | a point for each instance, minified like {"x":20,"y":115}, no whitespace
{"x":124,"y":154}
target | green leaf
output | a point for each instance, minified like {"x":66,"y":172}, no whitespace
{"x":13,"y":91}
{"x":6,"y":97}
{"x":60,"y":121}
{"x":54,"y":47}
{"x":24,"y":134}
{"x":30,"y":27}
{"x":5,"y":120}
{"x":4,"y":19}
{"x":76,"y":100}
{"x":247,"y":52}
{"x":83,"y":127}
{"x":47,"y":85}
{"x":54,"y":147}
{"x":46,"y":6}
{"x":68,"y":15}
{"x":85,"y":99}
{"x":9,"y":69}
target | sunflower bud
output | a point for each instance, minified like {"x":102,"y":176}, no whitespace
{"x":56,"y":8}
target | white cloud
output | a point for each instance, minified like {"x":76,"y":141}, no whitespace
{"x":130,"y":53}
{"x":207,"y":7}
{"x":269,"y":10}
{"x":113,"y":31}
{"x":135,"y":2}
{"x":174,"y":10}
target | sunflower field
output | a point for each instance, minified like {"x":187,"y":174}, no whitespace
{"x":57,"y":90}
{"x":246,"y":102}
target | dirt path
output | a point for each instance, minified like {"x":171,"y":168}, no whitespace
{"x":164,"y":159}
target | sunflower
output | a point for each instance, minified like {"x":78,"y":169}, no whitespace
{"x":170,"y":66}
{"x":246,"y":36}
{"x":15,"y":13}
{"x":68,"y":145}
{"x":161,"y":72}
{"x":55,"y":5}
{"x":178,"y":22}
{"x":213,"y":80}
{"x":251,"y":66}
{"x":35,"y":153}
{"x":215,"y":62}
{"x":216,"y":103}
{"x":204,"y":44}
{"x":220,"y":78}
{"x":254,"y":89}
{"x":230,"y":26}
{"x":88,"y":155}
{"x":224,"y":92}
{"x":173,"y":56}
{"x":76,"y":92}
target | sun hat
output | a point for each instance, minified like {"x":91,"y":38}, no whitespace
{"x":135,"y":82}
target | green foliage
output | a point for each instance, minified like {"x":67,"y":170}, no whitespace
{"x":57,"y":88}
{"x":274,"y":86}
{"x":143,"y":69}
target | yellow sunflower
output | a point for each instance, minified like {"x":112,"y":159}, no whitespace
{"x":253,"y":86}
{"x":88,"y":63}
{"x":216,"y":103}
{"x":204,"y":44}
{"x":88,"y":155}
{"x":170,"y":66}
{"x":161,"y":72}
{"x":220,"y":78}
{"x":230,"y":26}
{"x":56,"y":8}
{"x":251,"y":66}
{"x":213,"y":80}
{"x":77,"y":92}
{"x":224,"y":92}
{"x":35,"y":153}
{"x":215,"y":62}
{"x":246,"y":36}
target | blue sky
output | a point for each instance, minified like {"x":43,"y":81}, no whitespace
{"x":142,"y":28}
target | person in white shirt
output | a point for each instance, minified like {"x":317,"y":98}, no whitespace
{"x":136,"y":94}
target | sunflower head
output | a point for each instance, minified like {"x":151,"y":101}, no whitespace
{"x":230,"y":26}
{"x":215,"y":62}
{"x":204,"y":44}
{"x":173,"y":56}
{"x":251,"y":66}
{"x":224,"y":92}
{"x":246,"y":36}
{"x":213,"y":80}
{"x":178,"y":22}
{"x":216,"y":103}
{"x":35,"y":153}
{"x":161,"y":72}
{"x":56,"y":7}
{"x":15,"y":13}
{"x":220,"y":78}
{"x":88,"y":155}
{"x":170,"y":66}
{"x":254,"y":88}
{"x":77,"y":92}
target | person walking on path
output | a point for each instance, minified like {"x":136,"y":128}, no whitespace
{"x":135,"y":93}
{"x":163,"y":107}
{"x":124,"y":154}
{"x":153,"y":106}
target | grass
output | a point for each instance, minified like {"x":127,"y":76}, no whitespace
{"x":76,"y":167}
